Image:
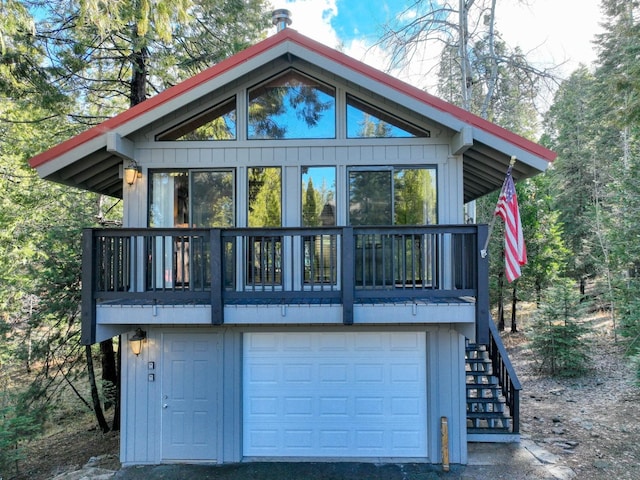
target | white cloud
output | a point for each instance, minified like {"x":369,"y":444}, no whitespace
{"x":551,"y":32}
{"x":312,"y":18}
{"x":548,"y":31}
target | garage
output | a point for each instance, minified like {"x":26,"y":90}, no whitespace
{"x":334,"y":394}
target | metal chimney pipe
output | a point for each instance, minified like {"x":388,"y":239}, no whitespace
{"x":281,"y":18}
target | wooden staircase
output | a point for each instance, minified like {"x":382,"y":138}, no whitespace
{"x":492,"y":393}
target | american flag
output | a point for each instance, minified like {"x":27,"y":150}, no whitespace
{"x":515,"y":251}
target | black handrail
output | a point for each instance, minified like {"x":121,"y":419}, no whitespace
{"x":506,"y":374}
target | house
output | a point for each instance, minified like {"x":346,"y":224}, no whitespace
{"x":294,"y":259}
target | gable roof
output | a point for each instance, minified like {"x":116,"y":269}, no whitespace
{"x":90,"y":160}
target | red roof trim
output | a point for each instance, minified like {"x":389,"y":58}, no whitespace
{"x":309,"y":44}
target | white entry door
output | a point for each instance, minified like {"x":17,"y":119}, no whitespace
{"x":189,"y":397}
{"x":343,"y":394}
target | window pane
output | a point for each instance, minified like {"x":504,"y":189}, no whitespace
{"x":265,"y":206}
{"x":366,"y":121}
{"x":415,"y":196}
{"x":370,"y":198}
{"x":169,"y":199}
{"x":318,"y":196}
{"x":291,"y":106}
{"x":216,"y":123}
{"x":212,"y":199}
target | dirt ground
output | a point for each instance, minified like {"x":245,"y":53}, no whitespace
{"x":592,"y":423}
{"x":68,"y":448}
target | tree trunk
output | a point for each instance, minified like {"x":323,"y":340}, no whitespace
{"x":139,"y":61}
{"x":97,"y":408}
{"x":492,"y":81}
{"x":514,"y":306}
{"x":466,"y":79}
{"x":109,"y":373}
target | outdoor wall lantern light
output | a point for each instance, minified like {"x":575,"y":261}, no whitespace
{"x":131,"y":172}
{"x":135,"y":342}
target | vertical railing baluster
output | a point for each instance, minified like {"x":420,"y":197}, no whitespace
{"x":403,"y":246}
{"x":333,"y":268}
{"x":413,"y":260}
{"x":312,"y":260}
{"x":116,"y":264}
{"x":374,"y":263}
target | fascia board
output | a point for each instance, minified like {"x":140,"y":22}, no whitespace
{"x":510,"y":149}
{"x":72,"y":156}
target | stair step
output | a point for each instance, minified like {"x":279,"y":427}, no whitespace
{"x":486,"y":408}
{"x":487,"y":431}
{"x":478,"y":373}
{"x":487,"y":411}
{"x":478,"y":360}
{"x":488,"y":415}
{"x":478,"y":385}
{"x":500,"y":401}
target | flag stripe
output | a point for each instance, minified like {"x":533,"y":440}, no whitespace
{"x":515,"y":252}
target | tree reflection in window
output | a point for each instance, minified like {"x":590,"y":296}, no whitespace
{"x":265,"y":205}
{"x":392,"y":196}
{"x":215,"y":123}
{"x":291,"y":106}
{"x":367,"y":121}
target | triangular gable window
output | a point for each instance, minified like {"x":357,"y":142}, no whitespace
{"x":367,"y":121}
{"x":215,"y":123}
{"x":291,"y":106}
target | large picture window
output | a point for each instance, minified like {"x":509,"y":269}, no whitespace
{"x":215,"y":123}
{"x":392,"y":196}
{"x":291,"y":106}
{"x":366,"y":121}
{"x":192,"y":198}
{"x":320,"y":257}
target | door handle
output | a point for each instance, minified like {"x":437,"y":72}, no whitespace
{"x":165,"y":406}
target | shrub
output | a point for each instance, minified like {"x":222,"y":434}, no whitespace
{"x":17,"y":425}
{"x":557,"y":337}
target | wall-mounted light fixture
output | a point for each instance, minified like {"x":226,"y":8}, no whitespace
{"x":132,"y":172}
{"x":136,"y":341}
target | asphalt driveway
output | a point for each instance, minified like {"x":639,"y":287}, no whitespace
{"x":523,"y":461}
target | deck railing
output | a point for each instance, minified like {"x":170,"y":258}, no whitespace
{"x":506,"y":374}
{"x":291,"y":265}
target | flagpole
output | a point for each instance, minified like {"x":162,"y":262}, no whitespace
{"x":484,"y":252}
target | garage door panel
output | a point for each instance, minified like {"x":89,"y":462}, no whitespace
{"x":344,"y":395}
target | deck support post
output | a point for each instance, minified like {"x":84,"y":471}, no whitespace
{"x":88,"y":302}
{"x":348,"y":275}
{"x":217,"y":306}
{"x":482,"y":288}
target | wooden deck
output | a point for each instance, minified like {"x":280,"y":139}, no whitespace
{"x":346,"y":266}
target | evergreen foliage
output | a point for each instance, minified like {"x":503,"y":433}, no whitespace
{"x":65,"y":65}
{"x":557,"y":336}
{"x":18,"y":424}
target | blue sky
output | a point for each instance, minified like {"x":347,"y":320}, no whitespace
{"x":550,"y":31}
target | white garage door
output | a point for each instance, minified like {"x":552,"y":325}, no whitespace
{"x":335,"y":394}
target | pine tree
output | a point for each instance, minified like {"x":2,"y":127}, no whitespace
{"x":310,"y":213}
{"x":557,"y":336}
